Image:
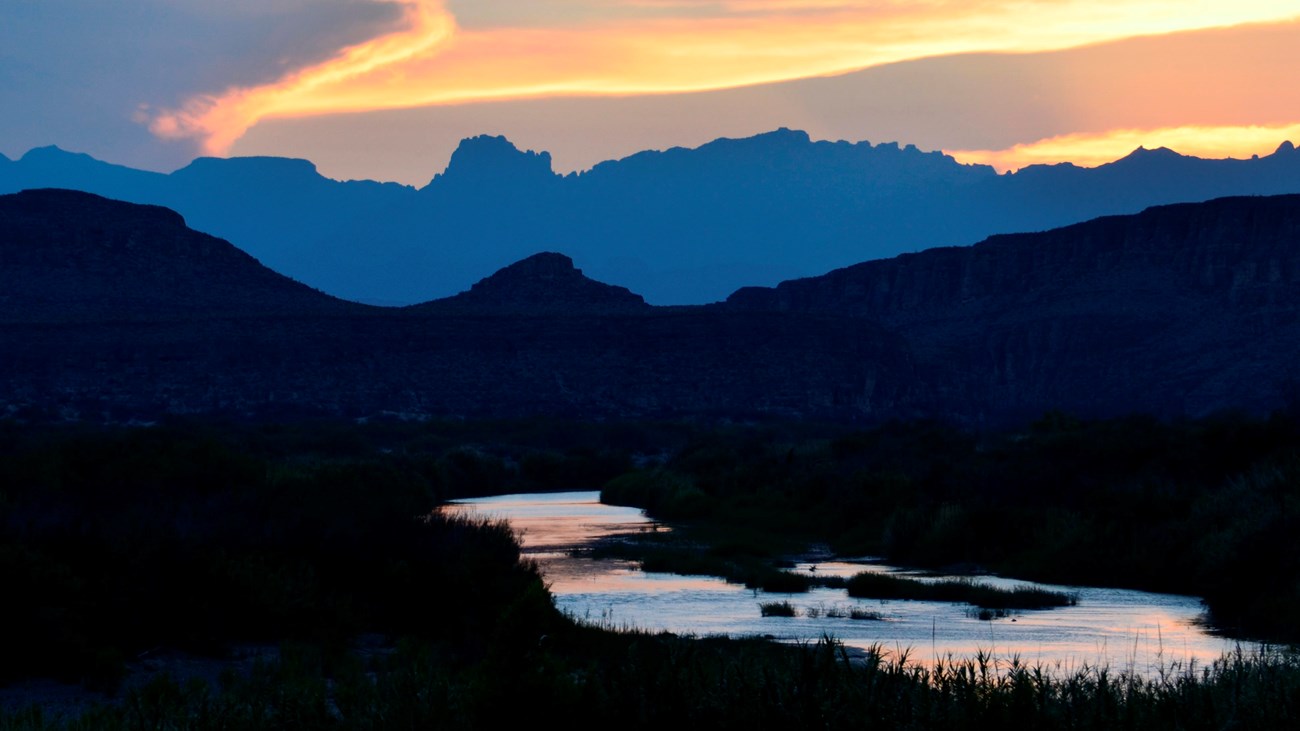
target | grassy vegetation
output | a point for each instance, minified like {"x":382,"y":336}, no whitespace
{"x":595,"y":679}
{"x":871,"y":585}
{"x":839,"y":611}
{"x":777,"y":609}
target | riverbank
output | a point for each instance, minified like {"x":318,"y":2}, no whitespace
{"x":1200,"y":507}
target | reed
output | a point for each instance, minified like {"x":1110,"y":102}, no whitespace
{"x":777,"y":609}
{"x":873,"y":585}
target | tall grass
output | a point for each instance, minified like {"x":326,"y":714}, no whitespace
{"x":591,"y":678}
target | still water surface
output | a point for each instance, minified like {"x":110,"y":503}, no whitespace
{"x":1121,"y":629}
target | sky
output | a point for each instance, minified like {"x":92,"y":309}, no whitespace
{"x":384,"y":89}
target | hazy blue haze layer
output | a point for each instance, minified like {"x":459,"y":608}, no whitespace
{"x":681,"y":226}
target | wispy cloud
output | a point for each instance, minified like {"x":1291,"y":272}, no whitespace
{"x":716,"y":45}
{"x":218,"y":120}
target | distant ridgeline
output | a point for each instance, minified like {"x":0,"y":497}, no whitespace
{"x":116,"y":311}
{"x":682,"y":226}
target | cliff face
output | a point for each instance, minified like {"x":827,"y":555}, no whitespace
{"x":1241,"y":250}
{"x":488,"y":163}
{"x":1179,"y":309}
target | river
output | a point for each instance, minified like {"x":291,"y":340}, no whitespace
{"x":1120,"y":629}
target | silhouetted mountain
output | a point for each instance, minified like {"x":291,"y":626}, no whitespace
{"x":113,"y":310}
{"x":72,"y":256}
{"x":680,"y":226}
{"x":488,"y":162}
{"x":1181,"y":309}
{"x":117,"y":311}
{"x":281,"y":211}
{"x":51,"y":167}
{"x":545,"y":283}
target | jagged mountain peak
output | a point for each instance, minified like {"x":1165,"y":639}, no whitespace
{"x":493,"y":159}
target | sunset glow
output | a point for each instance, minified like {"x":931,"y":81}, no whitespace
{"x":1090,"y":150}
{"x":432,"y":61}
{"x":219,"y":120}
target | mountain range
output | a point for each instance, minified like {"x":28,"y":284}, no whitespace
{"x":117,"y":311}
{"x":680,"y":226}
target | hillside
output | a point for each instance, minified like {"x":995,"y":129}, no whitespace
{"x":118,"y":312}
{"x":72,"y":256}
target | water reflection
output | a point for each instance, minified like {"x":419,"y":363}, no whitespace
{"x":1116,"y":628}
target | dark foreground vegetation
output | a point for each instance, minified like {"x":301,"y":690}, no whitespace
{"x":594,"y":679}
{"x":117,"y":544}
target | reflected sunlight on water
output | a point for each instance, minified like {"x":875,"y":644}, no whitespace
{"x":1121,"y":629}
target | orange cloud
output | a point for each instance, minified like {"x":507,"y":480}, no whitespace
{"x":220,"y":120}
{"x":430,"y":61}
{"x":1092,"y":149}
